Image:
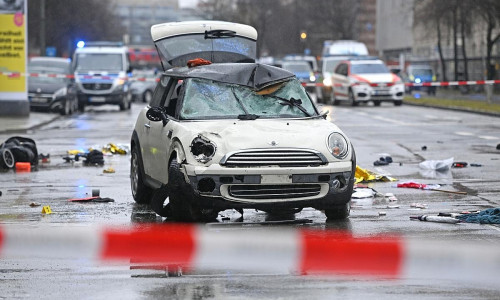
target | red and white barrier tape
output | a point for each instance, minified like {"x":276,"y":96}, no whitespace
{"x":445,"y":83}
{"x":47,"y":75}
{"x":300,"y":251}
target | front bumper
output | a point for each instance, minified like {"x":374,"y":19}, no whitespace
{"x":115,"y":97}
{"x":380,"y":93}
{"x":46,"y":102}
{"x":271,"y":187}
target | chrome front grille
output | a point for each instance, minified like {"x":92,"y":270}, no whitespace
{"x":97,"y":86}
{"x":265,"y":192}
{"x":284,"y":157}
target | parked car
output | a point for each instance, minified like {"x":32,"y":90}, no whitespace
{"x":420,"y":74}
{"x":363,"y":80}
{"x":223,"y":134}
{"x":328,"y":65}
{"x":143,"y":85}
{"x":52,"y":88}
{"x":302,"y":71}
{"x":313,"y":64}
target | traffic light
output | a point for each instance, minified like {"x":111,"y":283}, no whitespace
{"x":303,"y":35}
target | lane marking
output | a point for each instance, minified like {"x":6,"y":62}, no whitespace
{"x":389,"y":120}
{"x":488,"y":137}
{"x":464,"y":133}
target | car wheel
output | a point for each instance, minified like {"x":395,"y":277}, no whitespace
{"x":147,"y":96}
{"x":81,"y":107}
{"x":333,"y":99}
{"x":7,"y":160}
{"x":398,"y":102}
{"x":123,"y":103}
{"x":181,"y":198}
{"x":352,"y":100}
{"x":140,"y":192}
{"x":339,"y":212}
{"x":377,"y":102}
{"x":65,"y":110}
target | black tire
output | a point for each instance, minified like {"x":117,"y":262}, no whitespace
{"x":66,"y":109}
{"x":7,"y":160}
{"x":398,"y":102}
{"x":333,"y":100}
{"x":377,"y":102}
{"x":352,"y":100}
{"x":340,"y":212}
{"x":81,"y":107}
{"x":140,"y":192}
{"x":182,"y":198}
{"x":123,"y":103}
{"x":147,"y":96}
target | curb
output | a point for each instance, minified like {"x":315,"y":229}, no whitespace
{"x":26,"y":127}
{"x":454,"y":108}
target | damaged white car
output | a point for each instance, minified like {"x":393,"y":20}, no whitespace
{"x":228,"y":133}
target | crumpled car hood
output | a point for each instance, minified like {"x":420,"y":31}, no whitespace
{"x":234,"y":135}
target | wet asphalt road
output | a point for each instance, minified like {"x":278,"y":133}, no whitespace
{"x":400,"y":132}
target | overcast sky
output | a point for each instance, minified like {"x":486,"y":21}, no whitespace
{"x":187,"y":3}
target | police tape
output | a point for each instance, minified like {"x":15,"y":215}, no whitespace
{"x":299,"y":251}
{"x":444,"y":83}
{"x":311,"y":84}
{"x":71,"y":76}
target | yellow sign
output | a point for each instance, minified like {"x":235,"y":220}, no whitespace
{"x":12,"y":52}
{"x":46,"y":210}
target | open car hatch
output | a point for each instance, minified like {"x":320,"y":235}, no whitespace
{"x":216,"y":41}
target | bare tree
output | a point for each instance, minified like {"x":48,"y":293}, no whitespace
{"x":67,"y":21}
{"x":489,"y":10}
{"x":433,"y":14}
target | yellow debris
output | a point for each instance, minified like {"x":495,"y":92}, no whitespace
{"x":364,"y":175}
{"x":108,"y":170}
{"x":46,"y":210}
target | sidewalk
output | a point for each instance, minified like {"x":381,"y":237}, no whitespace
{"x":21,"y":124}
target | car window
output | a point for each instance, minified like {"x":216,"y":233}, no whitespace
{"x":161,"y":91}
{"x":341,"y":69}
{"x":206,"y":99}
{"x":297,"y":67}
{"x":368,"y":68}
{"x":173,"y":97}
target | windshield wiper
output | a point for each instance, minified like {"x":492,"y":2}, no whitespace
{"x":245,"y":116}
{"x":220,"y":33}
{"x":248,"y":117}
{"x":293,"y":103}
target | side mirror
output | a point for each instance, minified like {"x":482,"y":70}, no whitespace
{"x":324,"y":114}
{"x":156,"y":114}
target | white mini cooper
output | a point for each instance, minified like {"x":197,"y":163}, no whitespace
{"x":223,"y":132}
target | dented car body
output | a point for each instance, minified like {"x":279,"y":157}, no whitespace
{"x":238,"y":135}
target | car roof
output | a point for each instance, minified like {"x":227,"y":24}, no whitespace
{"x":253,"y":75}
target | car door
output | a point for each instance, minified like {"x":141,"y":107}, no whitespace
{"x":160,"y":135}
{"x":340,"y":81}
{"x":145,"y":128}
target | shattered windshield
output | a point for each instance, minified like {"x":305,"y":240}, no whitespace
{"x":206,"y":99}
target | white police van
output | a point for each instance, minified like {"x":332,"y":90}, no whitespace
{"x":101,"y":70}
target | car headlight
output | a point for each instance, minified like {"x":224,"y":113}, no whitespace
{"x":327,"y":81}
{"x":202,"y":149}
{"x":337,"y":145}
{"x":60,"y":92}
